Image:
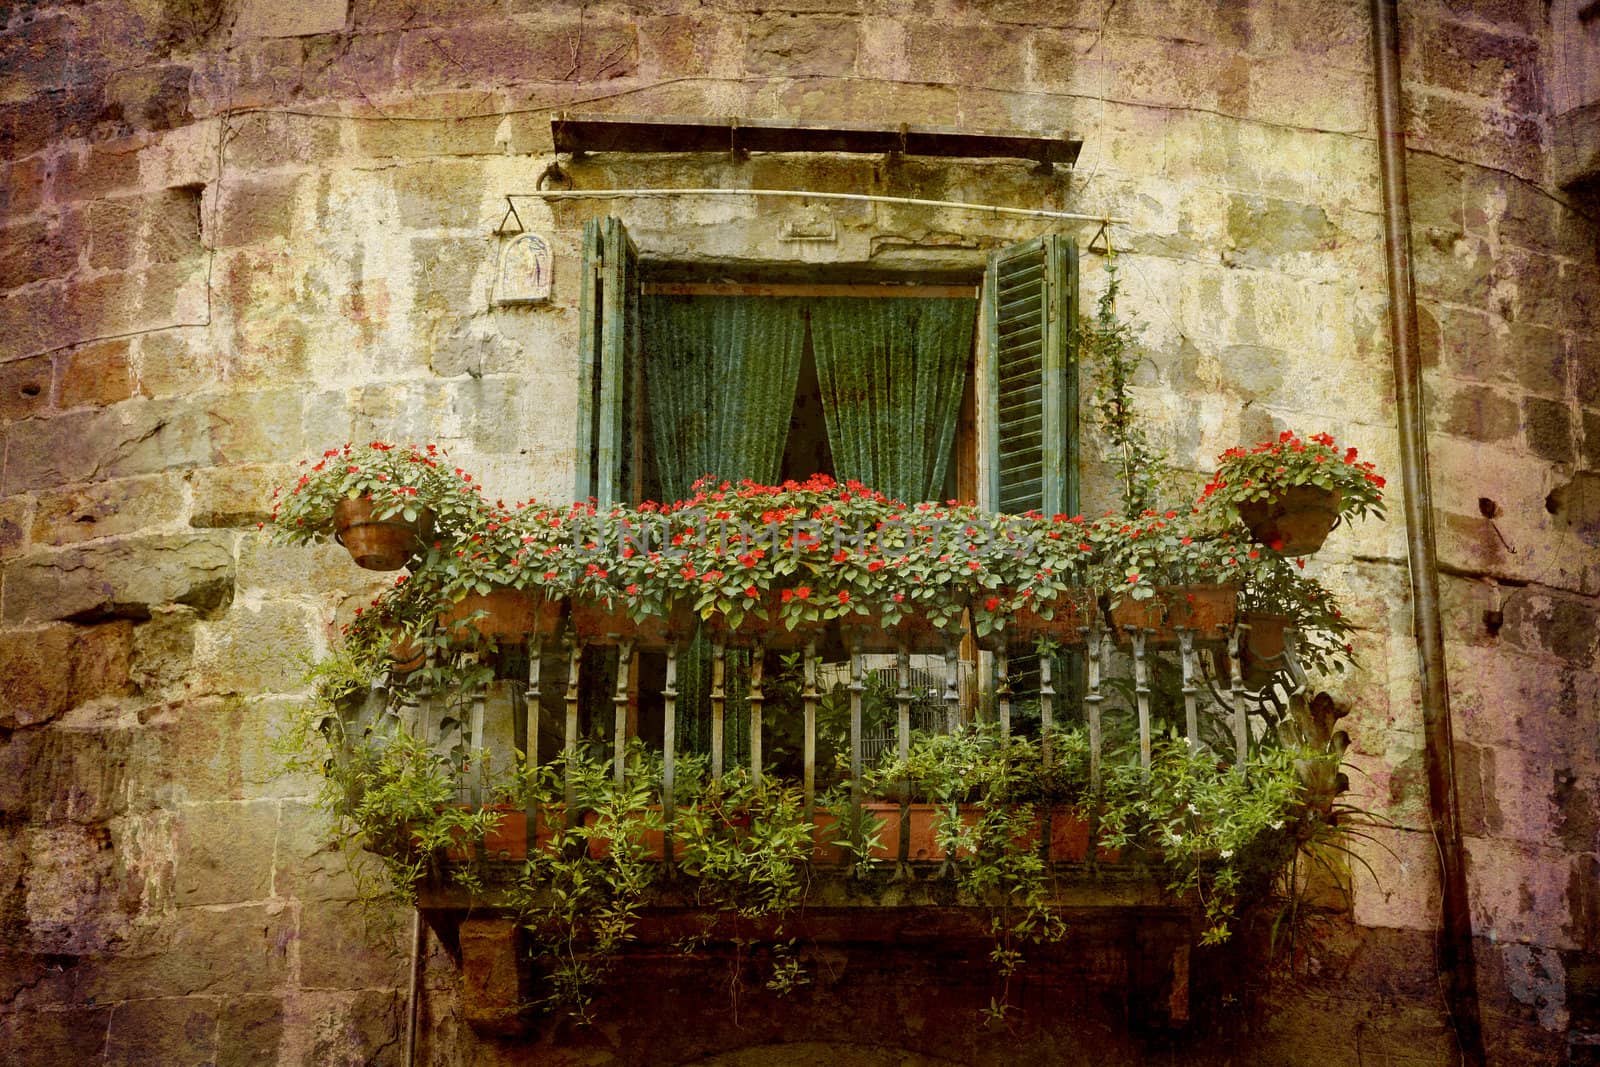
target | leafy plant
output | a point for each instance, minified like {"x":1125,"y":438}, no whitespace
{"x":1269,"y":470}
{"x":1110,"y":346}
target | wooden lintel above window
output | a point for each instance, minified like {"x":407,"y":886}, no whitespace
{"x":967,"y":292}
{"x":579,"y":134}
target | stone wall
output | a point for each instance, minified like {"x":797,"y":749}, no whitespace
{"x":237,"y":231}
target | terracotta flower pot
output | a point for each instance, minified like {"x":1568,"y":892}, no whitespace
{"x":1208,"y":610}
{"x":865,"y":632}
{"x":1261,"y":652}
{"x":652,"y":840}
{"x":597,"y":624}
{"x":1071,"y":615}
{"x":1296,"y":523}
{"x":405,"y":655}
{"x":378,"y":544}
{"x":764,"y":626}
{"x":921,"y":835}
{"x":509,"y":615}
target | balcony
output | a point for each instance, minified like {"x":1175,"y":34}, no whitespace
{"x":566,"y":750}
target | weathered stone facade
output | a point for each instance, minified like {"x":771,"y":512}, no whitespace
{"x":237,"y":231}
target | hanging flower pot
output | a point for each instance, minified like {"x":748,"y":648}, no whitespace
{"x":506,"y":615}
{"x":405,"y":654}
{"x":378,"y":544}
{"x":1296,"y":523}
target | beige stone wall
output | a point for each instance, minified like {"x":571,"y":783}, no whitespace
{"x":237,"y":232}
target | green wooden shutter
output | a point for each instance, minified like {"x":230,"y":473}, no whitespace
{"x":1030,"y":417}
{"x":608,"y":364}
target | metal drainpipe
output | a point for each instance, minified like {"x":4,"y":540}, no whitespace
{"x":1457,"y":966}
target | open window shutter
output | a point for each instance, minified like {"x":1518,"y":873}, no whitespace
{"x":608,"y":364}
{"x":1030,"y":414}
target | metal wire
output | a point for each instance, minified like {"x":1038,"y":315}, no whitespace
{"x":803,"y":194}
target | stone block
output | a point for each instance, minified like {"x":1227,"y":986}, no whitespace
{"x":181,"y":1031}
{"x":168,"y":363}
{"x":256,"y":649}
{"x":257,"y":210}
{"x":678,"y":46}
{"x":1518,"y":892}
{"x":1262,"y":230}
{"x":1548,"y":427}
{"x":107,"y":509}
{"x":1482,"y":134}
{"x":1550,"y":624}
{"x":240,"y":496}
{"x":240,"y":951}
{"x":16,"y":520}
{"x":46,"y":672}
{"x":794,"y":46}
{"x":94,"y":375}
{"x":312,"y":863}
{"x":25,"y":387}
{"x":249,"y":1031}
{"x":120,"y":578}
{"x":256,"y":427}
{"x":316,"y":570}
{"x":51,"y":1038}
{"x":492,"y":990}
{"x":1452,"y":267}
{"x":542,"y":49}
{"x":172,"y":225}
{"x":22,"y":187}
{"x":1482,"y":414}
{"x":33,"y":57}
{"x":147,"y":98}
{"x":1591,"y":457}
{"x":356,"y":1027}
{"x":36,"y":250}
{"x":440,"y":195}
{"x":138,"y":437}
{"x":34,"y":124}
{"x":342,"y":947}
{"x":1436,"y":188}
{"x":1291,"y":92}
{"x":82,"y":893}
{"x":266,"y":18}
{"x":1406,"y":896}
{"x":93,"y":171}
{"x":163,"y":652}
{"x":224,"y":852}
{"x":971,"y":55}
{"x":267,"y":141}
{"x":113,"y":233}
{"x":1502,"y":68}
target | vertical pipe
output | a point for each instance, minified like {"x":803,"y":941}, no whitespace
{"x":414,"y":994}
{"x":1457,"y":964}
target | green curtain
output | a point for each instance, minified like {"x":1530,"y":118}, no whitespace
{"x":720,"y":374}
{"x":892,"y":371}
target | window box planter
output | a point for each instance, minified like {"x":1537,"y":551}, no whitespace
{"x":652,"y":838}
{"x":1296,"y":523}
{"x":1208,"y":610}
{"x":598,"y":624}
{"x":508,"y":615}
{"x":1071,"y":615}
{"x":378,"y":544}
{"x":764,"y":626}
{"x":865,"y":632}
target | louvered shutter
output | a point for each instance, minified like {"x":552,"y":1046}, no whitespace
{"x":608,"y":364}
{"x":1030,"y":417}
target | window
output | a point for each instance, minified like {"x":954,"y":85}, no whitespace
{"x":713,"y":385}
{"x":769,"y":380}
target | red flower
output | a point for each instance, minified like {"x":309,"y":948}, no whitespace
{"x":632,"y":590}
{"x":844,"y":596}
{"x":803,"y":592}
{"x":991,"y":604}
{"x":787,"y":595}
{"x":752,"y":592}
